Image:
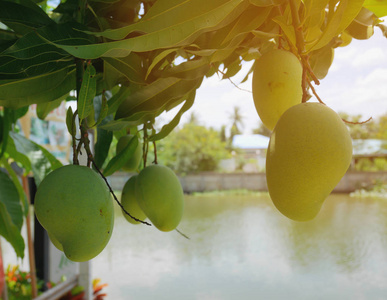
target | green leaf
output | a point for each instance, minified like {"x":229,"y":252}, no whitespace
{"x":39,"y":89}
{"x":188,"y":70}
{"x":87,"y":92}
{"x":101,"y":148}
{"x":42,"y":161}
{"x":18,"y":156}
{"x":22,"y":19}
{"x":338,"y":20}
{"x":378,"y":7}
{"x":32,"y":56}
{"x":167,"y":129}
{"x":43,"y":109}
{"x":115,"y":101}
{"x":121,"y":158}
{"x":102,"y":110}
{"x":160,"y":57}
{"x":129,"y":66}
{"x":11,"y":214}
{"x":155,"y":96}
{"x":16,"y":181}
{"x":6,"y":127}
{"x":266,"y":2}
{"x":70,"y":121}
{"x":167,"y":24}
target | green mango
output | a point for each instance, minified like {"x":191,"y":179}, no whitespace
{"x":74,"y":205}
{"x":160,"y":196}
{"x":129,"y":202}
{"x":309,"y":151}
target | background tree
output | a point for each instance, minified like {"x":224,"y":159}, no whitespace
{"x":262,"y":129}
{"x":194,"y":148}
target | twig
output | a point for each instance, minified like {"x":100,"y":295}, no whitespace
{"x":233,"y":83}
{"x":155,"y":152}
{"x":182,"y":234}
{"x":315,"y":93}
{"x":357,"y":123}
{"x":115,"y":197}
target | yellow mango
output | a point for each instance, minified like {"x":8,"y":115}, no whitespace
{"x":277,"y":78}
{"x":309,"y":152}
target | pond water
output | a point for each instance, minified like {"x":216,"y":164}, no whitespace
{"x":241,"y":247}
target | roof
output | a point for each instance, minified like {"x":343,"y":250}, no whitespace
{"x":250,"y":141}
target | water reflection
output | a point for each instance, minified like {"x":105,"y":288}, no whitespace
{"x":241,"y":247}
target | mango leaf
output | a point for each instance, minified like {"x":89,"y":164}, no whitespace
{"x":42,"y":161}
{"x":70,"y":121}
{"x":16,"y":181}
{"x":11,"y":215}
{"x":22,"y":19}
{"x":321,"y":60}
{"x":87,"y":92}
{"x":38,"y":89}
{"x":266,"y":2}
{"x":160,"y":57}
{"x":129,"y":66}
{"x":20,"y":158}
{"x":32,"y":56}
{"x":156,"y":95}
{"x":121,"y":158}
{"x":362,"y":27}
{"x":43,"y":109}
{"x":115,"y":101}
{"x":5,"y":128}
{"x":188,"y":70}
{"x":101,"y":148}
{"x":167,"y":129}
{"x":167,"y":24}
{"x":338,"y":19}
{"x":378,"y":7}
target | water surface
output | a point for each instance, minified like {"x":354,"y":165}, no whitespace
{"x":241,"y":247}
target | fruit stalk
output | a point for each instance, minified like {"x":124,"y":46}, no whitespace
{"x":115,"y":197}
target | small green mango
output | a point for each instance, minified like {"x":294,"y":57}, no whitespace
{"x":160,"y":196}
{"x":129,"y":202}
{"x":74,"y":205}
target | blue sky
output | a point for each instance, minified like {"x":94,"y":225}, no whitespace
{"x":356,"y":84}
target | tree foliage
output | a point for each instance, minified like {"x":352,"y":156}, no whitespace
{"x":193,"y":148}
{"x":131,"y":60}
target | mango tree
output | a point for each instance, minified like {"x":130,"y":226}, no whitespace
{"x":125,"y":62}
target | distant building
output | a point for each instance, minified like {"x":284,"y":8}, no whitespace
{"x":253,"y":148}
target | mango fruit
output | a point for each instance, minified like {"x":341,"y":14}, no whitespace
{"x":132,"y":164}
{"x":160,"y":196}
{"x":129,"y":201}
{"x":309,"y":152}
{"x":74,"y":205}
{"x":277,"y":85}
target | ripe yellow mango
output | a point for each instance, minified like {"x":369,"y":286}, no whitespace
{"x":309,"y":152}
{"x":129,"y":202}
{"x":74,"y":205}
{"x":132,"y":164}
{"x":277,"y":79}
{"x":160,"y":196}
